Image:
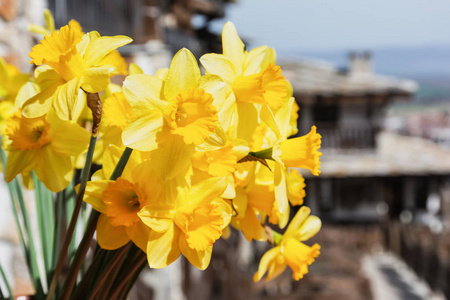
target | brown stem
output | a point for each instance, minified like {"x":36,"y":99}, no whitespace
{"x":79,"y":256}
{"x":74,"y":218}
{"x":108,"y":272}
{"x":139,"y":261}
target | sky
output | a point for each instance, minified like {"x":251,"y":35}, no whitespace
{"x":329,"y":25}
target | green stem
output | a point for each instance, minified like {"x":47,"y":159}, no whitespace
{"x":45,"y":220}
{"x":58,"y":225}
{"x":5,"y":280}
{"x":73,"y":222}
{"x":87,"y":237}
{"x":31,"y":246}
{"x":70,"y":206}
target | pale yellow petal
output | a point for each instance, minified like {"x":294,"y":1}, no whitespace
{"x":97,"y":49}
{"x":157,"y":217}
{"x":253,"y":60}
{"x":68,"y":138}
{"x":309,"y":228}
{"x":219,"y":65}
{"x":266,"y":261}
{"x":54,"y":171}
{"x":66,"y":100}
{"x":40,"y":103}
{"x":143,"y":93}
{"x":268,"y":118}
{"x":183,"y":75}
{"x":110,"y":237}
{"x":297,"y":222}
{"x":281,"y":192}
{"x":172,"y":157}
{"x":141,"y":133}
{"x":93,"y":194}
{"x":27,"y":91}
{"x":95,"y":80}
{"x":49,"y":21}
{"x":20,"y":161}
{"x":203,"y":192}
{"x":135,"y":69}
{"x":233,"y":47}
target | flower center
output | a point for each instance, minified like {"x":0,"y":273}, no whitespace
{"x":192,"y":116}
{"x":28,"y":133}
{"x":123,"y":201}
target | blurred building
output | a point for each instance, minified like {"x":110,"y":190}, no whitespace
{"x":373,"y":178}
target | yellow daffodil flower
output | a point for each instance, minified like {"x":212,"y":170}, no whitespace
{"x":187,"y":220}
{"x":44,"y":145}
{"x":254,"y":78}
{"x":179,"y":105}
{"x":290,"y":251}
{"x":119,"y":201}
{"x":11,"y":80}
{"x":300,"y":152}
{"x":73,"y":61}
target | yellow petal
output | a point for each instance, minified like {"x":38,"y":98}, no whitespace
{"x":93,"y":194}
{"x":20,"y":161}
{"x":204,"y":226}
{"x":248,"y":120}
{"x":45,"y":73}
{"x":281,"y":193}
{"x":163,"y":248}
{"x":141,"y":133}
{"x":298,"y":256}
{"x":268,"y":118}
{"x":183,"y":75}
{"x":116,"y":61}
{"x":37,"y":29}
{"x":219,"y":65}
{"x":41,"y":103}
{"x":240,"y":202}
{"x":143,"y":93}
{"x":253,"y":60}
{"x":303,"y":152}
{"x":97,"y":49}
{"x":54,"y":171}
{"x":296,"y":187}
{"x":251,"y":226}
{"x":233,"y":47}
{"x":135,"y":69}
{"x":172,"y":157}
{"x":68,"y":138}
{"x":139,"y":233}
{"x":117,"y":111}
{"x":67,"y":100}
{"x":27,"y":91}
{"x":159,"y":218}
{"x":95,"y":80}
{"x":110,"y":237}
{"x":266,"y":261}
{"x":49,"y":21}
{"x":309,"y":228}
{"x":206,"y":190}
{"x":297,"y":222}
{"x":199,"y":259}
{"x":275,"y":270}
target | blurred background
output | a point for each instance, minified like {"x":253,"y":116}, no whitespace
{"x":374,"y":77}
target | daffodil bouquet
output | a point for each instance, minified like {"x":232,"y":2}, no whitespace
{"x":183,"y":158}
